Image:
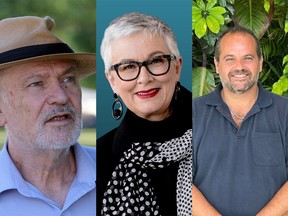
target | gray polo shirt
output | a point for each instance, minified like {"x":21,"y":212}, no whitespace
{"x":240,"y":169}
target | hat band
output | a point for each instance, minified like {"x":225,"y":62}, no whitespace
{"x":34,"y":51}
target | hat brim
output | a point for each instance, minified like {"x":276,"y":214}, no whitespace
{"x":85,"y":62}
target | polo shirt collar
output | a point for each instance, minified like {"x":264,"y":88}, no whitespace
{"x":264,"y":97}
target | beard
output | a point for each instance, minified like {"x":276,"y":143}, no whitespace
{"x":51,"y":137}
{"x":234,"y":87}
{"x":59,"y":137}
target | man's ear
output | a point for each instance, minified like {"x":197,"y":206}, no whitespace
{"x":216,"y":63}
{"x":261,"y":63}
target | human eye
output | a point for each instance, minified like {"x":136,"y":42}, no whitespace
{"x":248,"y":58}
{"x":36,"y":84}
{"x":69,"y":79}
{"x":127,"y":67}
{"x":229,"y":59}
{"x":157,"y":60}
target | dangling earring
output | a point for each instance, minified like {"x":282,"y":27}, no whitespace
{"x":117,"y":112}
{"x":177,"y":91}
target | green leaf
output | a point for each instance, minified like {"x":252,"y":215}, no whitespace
{"x":276,"y":88}
{"x":276,"y":69}
{"x":202,"y":81}
{"x":196,"y":14}
{"x":252,"y":15}
{"x":220,"y":18}
{"x":286,"y":26}
{"x":195,"y":18}
{"x":285,"y":59}
{"x":267,"y":5}
{"x":200,"y":28}
{"x":213,"y":24}
{"x":210,"y":4}
{"x":280,"y":86}
{"x":264,"y":76}
{"x":196,"y":10}
{"x":222,"y":3}
{"x":201,"y":4}
{"x":217,"y":10}
{"x":285,"y":70}
{"x":211,"y":39}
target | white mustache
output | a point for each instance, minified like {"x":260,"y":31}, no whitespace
{"x":59,"y":110}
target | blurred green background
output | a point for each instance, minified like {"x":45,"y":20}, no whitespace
{"x":75,"y":25}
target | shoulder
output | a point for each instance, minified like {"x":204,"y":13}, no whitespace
{"x":106,"y":139}
{"x":185,"y":96}
{"x":106,"y":162}
{"x":279,"y":98}
{"x":211,"y":99}
{"x":200,"y":102}
{"x":267,"y":99}
{"x":279,"y":105}
{"x":200,"y":99}
{"x":104,"y":145}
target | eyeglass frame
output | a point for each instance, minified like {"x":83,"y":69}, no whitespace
{"x":169,"y":57}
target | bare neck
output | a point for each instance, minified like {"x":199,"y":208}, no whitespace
{"x":240,"y":100}
{"x":52,"y":172}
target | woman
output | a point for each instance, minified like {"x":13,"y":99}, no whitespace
{"x":144,"y":165}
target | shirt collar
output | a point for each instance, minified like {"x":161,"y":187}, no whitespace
{"x":9,"y":172}
{"x":86,"y":166}
{"x":10,"y":178}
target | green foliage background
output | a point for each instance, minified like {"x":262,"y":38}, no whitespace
{"x":75,"y":22}
{"x":268,"y":19}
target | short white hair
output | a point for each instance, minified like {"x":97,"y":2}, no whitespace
{"x":133,"y":23}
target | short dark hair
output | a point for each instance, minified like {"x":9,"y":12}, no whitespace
{"x":236,"y":29}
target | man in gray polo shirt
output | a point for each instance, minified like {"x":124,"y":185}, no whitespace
{"x":240,"y":137}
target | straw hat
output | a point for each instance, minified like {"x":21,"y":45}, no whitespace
{"x":29,"y":39}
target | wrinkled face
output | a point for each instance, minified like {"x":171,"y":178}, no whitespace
{"x":147,"y":96}
{"x":41,"y":104}
{"x":239,"y":65}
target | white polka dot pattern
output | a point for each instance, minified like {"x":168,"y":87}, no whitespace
{"x":129,"y":192}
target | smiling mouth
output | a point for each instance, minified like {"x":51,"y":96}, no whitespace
{"x":239,"y":75}
{"x":145,"y":93}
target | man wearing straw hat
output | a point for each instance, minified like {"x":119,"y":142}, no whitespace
{"x":43,"y":169}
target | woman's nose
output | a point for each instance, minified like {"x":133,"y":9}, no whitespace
{"x":144,"y":75}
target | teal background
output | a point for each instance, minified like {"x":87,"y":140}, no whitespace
{"x":176,"y":13}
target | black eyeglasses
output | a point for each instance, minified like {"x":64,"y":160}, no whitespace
{"x":130,"y":70}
